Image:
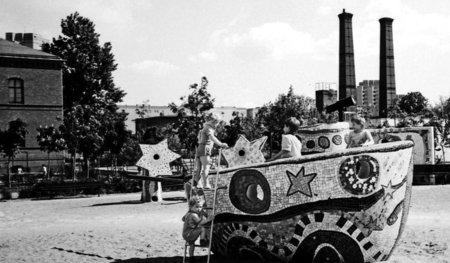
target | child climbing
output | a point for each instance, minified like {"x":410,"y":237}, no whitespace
{"x":194,"y":220}
{"x":291,"y":146}
{"x":206,"y":141}
{"x":359,"y":136}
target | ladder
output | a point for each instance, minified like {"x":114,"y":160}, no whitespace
{"x":213,"y":208}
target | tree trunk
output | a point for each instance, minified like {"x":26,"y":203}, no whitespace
{"x":74,"y":161}
{"x":48,"y":165}
{"x":8,"y":173}
{"x":87,"y":167}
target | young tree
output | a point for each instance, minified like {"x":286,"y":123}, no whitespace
{"x":394,"y":111}
{"x":142,"y":110}
{"x":191,"y":113}
{"x":90,"y":95}
{"x":11,"y":140}
{"x":240,"y":125}
{"x":50,"y":140}
{"x":413,"y":103}
{"x":273,"y":114}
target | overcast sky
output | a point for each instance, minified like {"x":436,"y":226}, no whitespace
{"x":249,"y":50}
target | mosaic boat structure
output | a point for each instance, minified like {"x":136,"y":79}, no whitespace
{"x":345,"y":205}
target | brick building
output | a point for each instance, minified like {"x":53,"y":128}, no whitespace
{"x":325,"y":95}
{"x":30,"y":89}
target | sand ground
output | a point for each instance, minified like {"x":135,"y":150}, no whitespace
{"x":118,"y":228}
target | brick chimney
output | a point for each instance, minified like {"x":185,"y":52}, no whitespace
{"x":347,"y":84}
{"x":387,"y":70}
{"x":31,"y":40}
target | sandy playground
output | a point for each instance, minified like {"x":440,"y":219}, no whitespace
{"x":118,"y":228}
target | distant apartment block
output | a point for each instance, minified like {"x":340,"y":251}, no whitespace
{"x":368,"y":96}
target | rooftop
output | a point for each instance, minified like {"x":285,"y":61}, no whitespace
{"x":12,"y":49}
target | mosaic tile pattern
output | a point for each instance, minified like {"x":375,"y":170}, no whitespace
{"x":156,"y":158}
{"x":324,"y":137}
{"x":245,"y":152}
{"x":329,"y":220}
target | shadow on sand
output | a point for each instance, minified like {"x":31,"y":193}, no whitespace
{"x":179,"y":259}
{"x":132,"y":202}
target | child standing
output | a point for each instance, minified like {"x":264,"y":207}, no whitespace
{"x":359,"y":136}
{"x":291,"y":146}
{"x":193,"y":226}
{"x":206,"y":141}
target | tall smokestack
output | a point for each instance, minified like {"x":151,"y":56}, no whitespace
{"x":347,"y":84}
{"x":387,"y":71}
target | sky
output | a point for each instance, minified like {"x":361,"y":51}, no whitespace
{"x":250,"y":51}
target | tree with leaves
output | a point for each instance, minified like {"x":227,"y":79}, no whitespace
{"x":191,"y":113}
{"x":413,"y":103}
{"x":50,"y":140}
{"x":273,"y":114}
{"x":240,"y":125}
{"x":90,"y":95}
{"x":11,"y":140}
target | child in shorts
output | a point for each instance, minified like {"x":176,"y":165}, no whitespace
{"x":291,"y":146}
{"x":359,"y":136}
{"x":206,"y":141}
{"x":193,"y":226}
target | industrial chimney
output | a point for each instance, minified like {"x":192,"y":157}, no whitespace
{"x":387,"y":72}
{"x":347,"y":84}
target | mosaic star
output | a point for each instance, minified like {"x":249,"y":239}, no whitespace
{"x":389,"y":190}
{"x":245,"y":152}
{"x":300,"y":183}
{"x":156,"y":158}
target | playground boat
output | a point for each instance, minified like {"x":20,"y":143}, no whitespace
{"x":339,"y":205}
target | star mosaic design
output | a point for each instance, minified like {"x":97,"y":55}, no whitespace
{"x":156,"y":158}
{"x":372,"y":225}
{"x":389,"y":190}
{"x":245,"y":152}
{"x":300,"y":183}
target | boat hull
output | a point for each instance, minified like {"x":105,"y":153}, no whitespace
{"x":347,"y":206}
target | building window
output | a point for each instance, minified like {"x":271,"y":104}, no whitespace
{"x":15,"y":90}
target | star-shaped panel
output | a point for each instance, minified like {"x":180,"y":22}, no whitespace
{"x":300,"y":182}
{"x":245,"y":152}
{"x":156,"y":158}
{"x":389,"y":190}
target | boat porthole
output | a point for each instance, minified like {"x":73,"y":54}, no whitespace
{"x":324,"y":142}
{"x":337,"y":139}
{"x":250,"y":191}
{"x":310,"y":144}
{"x":359,"y":174}
{"x":156,"y":157}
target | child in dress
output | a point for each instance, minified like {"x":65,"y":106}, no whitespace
{"x":359,"y":136}
{"x":193,"y":226}
{"x":291,"y":146}
{"x":206,"y":141}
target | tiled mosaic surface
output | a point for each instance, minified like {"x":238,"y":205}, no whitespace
{"x":245,"y":152}
{"x":312,"y":213}
{"x":324,"y":137}
{"x":156,"y":158}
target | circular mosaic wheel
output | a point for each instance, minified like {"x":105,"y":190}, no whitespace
{"x":250,"y":191}
{"x":324,"y":142}
{"x":337,"y":139}
{"x":310,"y":144}
{"x":359,"y":174}
{"x":328,"y":246}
